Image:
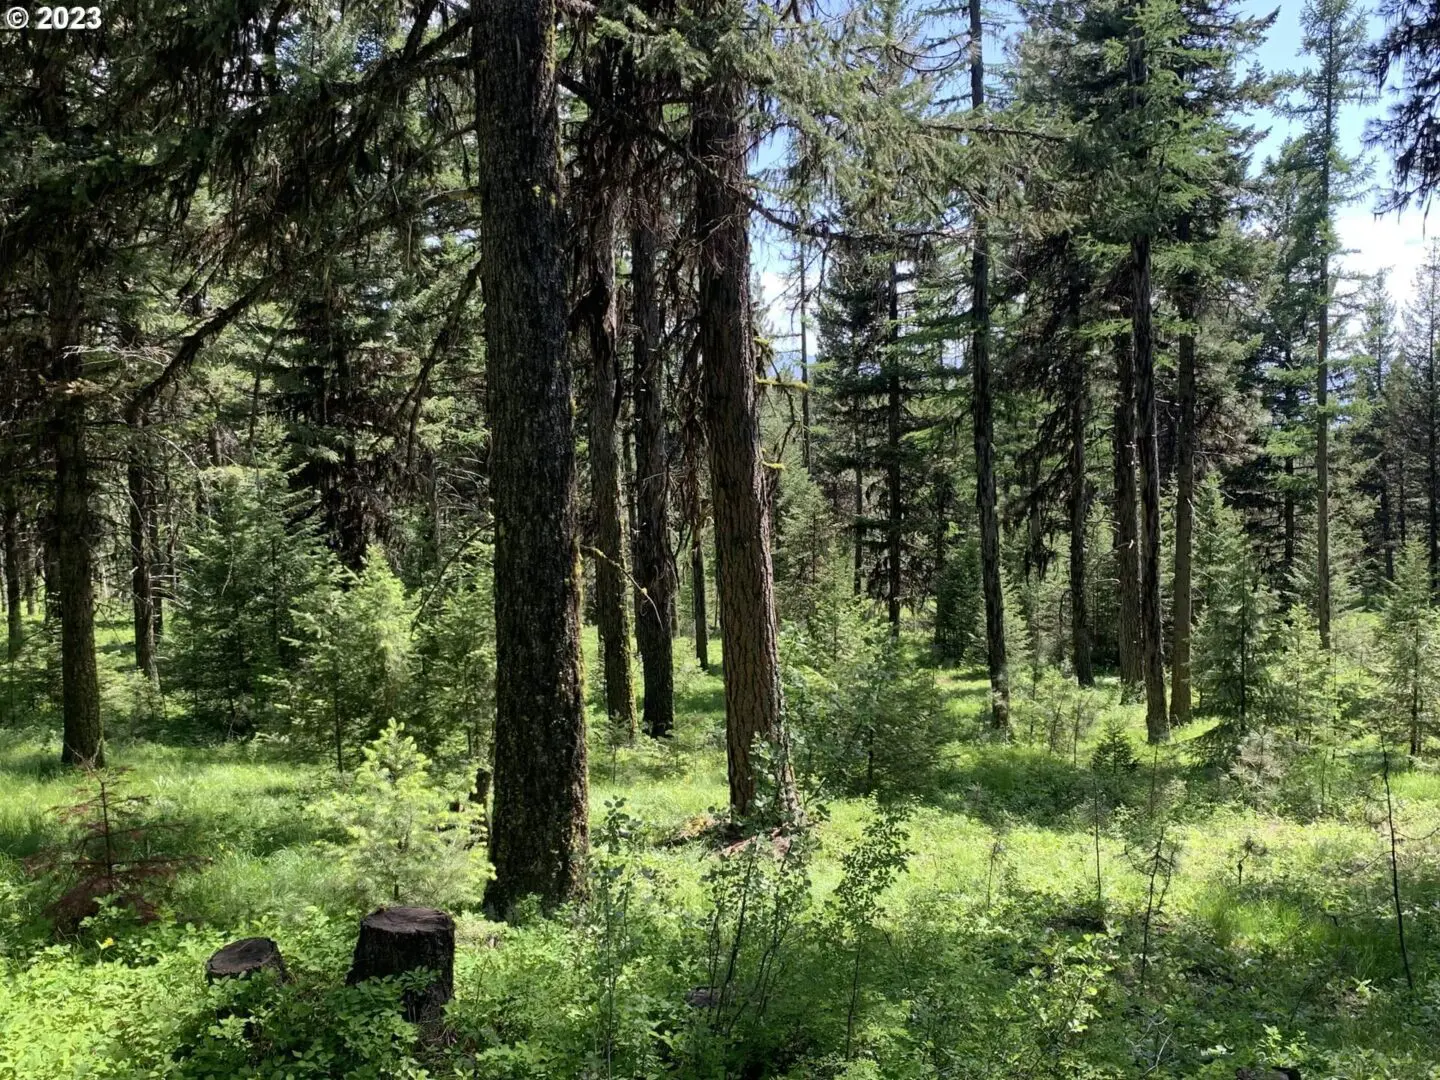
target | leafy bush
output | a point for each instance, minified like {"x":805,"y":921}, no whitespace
{"x":250,"y":562}
{"x":355,"y":649}
{"x":864,"y":716}
{"x":454,"y":661}
{"x":406,"y":843}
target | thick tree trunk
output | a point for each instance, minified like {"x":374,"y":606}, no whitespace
{"x":738,"y":490}
{"x":142,"y":590}
{"x":894,"y":511}
{"x":400,"y":940}
{"x":612,"y":576}
{"x":1079,"y":501}
{"x":1157,"y":720}
{"x":1184,"y":501}
{"x":654,"y":562}
{"x":540,"y":830}
{"x":1127,"y":534}
{"x":73,"y":525}
{"x":14,"y":624}
{"x":984,"y":426}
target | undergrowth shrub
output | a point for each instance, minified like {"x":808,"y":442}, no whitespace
{"x":406,"y":843}
{"x":865,"y":716}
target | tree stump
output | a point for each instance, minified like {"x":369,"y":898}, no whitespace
{"x":400,"y":939}
{"x":241,"y":959}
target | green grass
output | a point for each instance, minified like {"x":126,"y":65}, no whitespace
{"x":982,"y":929}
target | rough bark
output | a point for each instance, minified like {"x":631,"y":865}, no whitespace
{"x":1184,"y":499}
{"x":738,"y":490}
{"x":612,"y":575}
{"x":540,"y":823}
{"x":982,"y":406}
{"x":397,"y":940}
{"x":654,"y":561}
{"x":73,"y":525}
{"x":1157,"y":720}
{"x":243,"y":958}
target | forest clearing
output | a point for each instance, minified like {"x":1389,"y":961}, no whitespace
{"x":718,"y":540}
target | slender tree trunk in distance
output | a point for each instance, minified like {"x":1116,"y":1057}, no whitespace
{"x":892,"y":464}
{"x":142,"y":591}
{"x":540,"y":829}
{"x":698,"y":610}
{"x":1157,"y":720}
{"x":612,"y":584}
{"x":1322,"y":456}
{"x":1127,"y":534}
{"x":1184,"y":500}
{"x":15,"y":627}
{"x":1432,"y":464}
{"x":743,"y":574}
{"x":984,"y":426}
{"x":1079,"y":503}
{"x":654,"y":562}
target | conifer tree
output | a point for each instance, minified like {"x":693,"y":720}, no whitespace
{"x":1410,"y":635}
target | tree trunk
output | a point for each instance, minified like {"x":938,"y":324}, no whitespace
{"x":1079,"y":501}
{"x":1432,"y":465}
{"x":243,"y":958}
{"x":1157,"y":721}
{"x":142,"y":591}
{"x":399,"y":940}
{"x":738,"y":490}
{"x":612,"y":576}
{"x":654,"y":562}
{"x":984,"y":425}
{"x":1184,"y":498}
{"x":1127,"y":536}
{"x":15,"y":627}
{"x":73,"y":525}
{"x":540,"y":828}
{"x":698,"y":610}
{"x":893,"y":521}
{"x":1322,"y":457}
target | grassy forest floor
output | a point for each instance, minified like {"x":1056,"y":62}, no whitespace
{"x":1236,"y":926}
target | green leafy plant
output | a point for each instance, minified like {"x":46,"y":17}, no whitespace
{"x":406,"y":843}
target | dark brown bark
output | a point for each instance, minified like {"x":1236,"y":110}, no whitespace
{"x":1079,"y":499}
{"x":243,"y":958}
{"x":894,"y":520}
{"x":1184,"y":498}
{"x":140,"y":489}
{"x":73,"y":527}
{"x":743,"y":572}
{"x":1157,"y":720}
{"x":612,"y":575}
{"x":14,"y":624}
{"x":654,"y":560}
{"x":398,"y":940}
{"x":540,"y":830}
{"x":698,"y":608}
{"x":982,"y":407}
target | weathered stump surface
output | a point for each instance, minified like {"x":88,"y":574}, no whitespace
{"x":400,"y":939}
{"x":241,"y":959}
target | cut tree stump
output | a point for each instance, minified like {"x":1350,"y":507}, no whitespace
{"x":400,"y":939}
{"x":241,"y":959}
